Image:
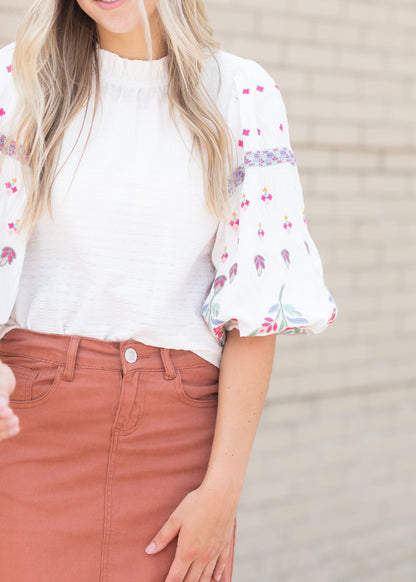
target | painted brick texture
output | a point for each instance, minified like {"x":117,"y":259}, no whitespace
{"x":330,"y":484}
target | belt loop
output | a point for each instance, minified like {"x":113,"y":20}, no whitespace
{"x":170,"y":371}
{"x":71,"y":357}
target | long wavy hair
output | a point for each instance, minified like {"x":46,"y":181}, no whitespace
{"x":55,"y":70}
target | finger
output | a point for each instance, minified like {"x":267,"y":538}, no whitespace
{"x":5,"y":412}
{"x":195,"y":572}
{"x":8,"y":422}
{"x":208,"y":571}
{"x":178,"y":570}
{"x":165,"y":535}
{"x":221,"y":563}
{"x":9,"y":433}
{"x":7,"y":382}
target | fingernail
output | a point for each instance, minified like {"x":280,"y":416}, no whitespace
{"x":218,"y":577}
{"x":150,"y":548}
{"x":14,"y":430}
{"x":3,"y":401}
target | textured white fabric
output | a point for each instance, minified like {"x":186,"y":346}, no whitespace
{"x":132,"y":251}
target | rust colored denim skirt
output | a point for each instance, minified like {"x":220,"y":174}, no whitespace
{"x":113,"y":436}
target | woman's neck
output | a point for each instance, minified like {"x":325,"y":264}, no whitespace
{"x":132,"y":44}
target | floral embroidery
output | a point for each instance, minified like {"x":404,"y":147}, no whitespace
{"x":285,"y":313}
{"x":246,"y":132}
{"x":277,"y":87}
{"x":12,"y":149}
{"x":7,"y":256}
{"x":333,"y":315}
{"x":270,"y":157}
{"x":287,"y":224}
{"x":266,"y":197}
{"x":259,"y":131}
{"x":286,"y":257}
{"x":11,"y":187}
{"x":224,"y":255}
{"x":307,"y":246}
{"x":240,"y":143}
{"x":9,"y":68}
{"x":246,"y":91}
{"x":260,"y":264}
{"x":260,"y":89}
{"x":260,"y":232}
{"x":234,"y":222}
{"x":210,"y":310}
{"x":2,"y":112}
{"x":13,"y":225}
{"x":281,"y":127}
{"x":257,"y":158}
{"x":245,"y":203}
{"x":233,"y":272}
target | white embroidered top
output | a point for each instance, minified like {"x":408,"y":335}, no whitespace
{"x":132,"y":251}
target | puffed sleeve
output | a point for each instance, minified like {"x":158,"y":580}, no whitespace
{"x":12,"y":194}
{"x":268,"y":271}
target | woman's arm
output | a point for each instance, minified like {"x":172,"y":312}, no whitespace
{"x":204,"y":519}
{"x":245,"y":371}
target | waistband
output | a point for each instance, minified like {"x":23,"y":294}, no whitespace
{"x":73,"y":351}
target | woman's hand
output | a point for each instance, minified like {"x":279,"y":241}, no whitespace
{"x":204,"y":520}
{"x":9,"y":423}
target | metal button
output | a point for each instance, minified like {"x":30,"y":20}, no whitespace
{"x":131,"y":355}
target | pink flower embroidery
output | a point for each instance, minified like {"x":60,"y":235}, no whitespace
{"x":266,"y":197}
{"x":286,"y":257}
{"x":281,"y":127}
{"x":219,"y":332}
{"x":219,"y":283}
{"x":13,"y":225}
{"x":7,"y":256}
{"x":260,"y":264}
{"x":246,"y":91}
{"x":268,"y":325}
{"x":11,"y":186}
{"x":9,"y":68}
{"x":2,"y":112}
{"x":233,"y":272}
{"x":258,"y":131}
{"x":333,"y":315}
{"x":240,"y":143}
{"x":287,"y":224}
{"x":245,"y":203}
{"x":277,"y":87}
{"x":260,"y":89}
{"x":234,"y":222}
{"x":246,"y":132}
{"x":224,"y":255}
{"x":260,"y":232}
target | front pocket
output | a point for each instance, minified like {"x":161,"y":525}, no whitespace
{"x":24,"y":382}
{"x":198,"y":385}
{"x":35,"y":380}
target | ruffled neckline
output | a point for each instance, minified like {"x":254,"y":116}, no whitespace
{"x":130,"y":70}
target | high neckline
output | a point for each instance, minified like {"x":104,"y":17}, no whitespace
{"x":125,"y":69}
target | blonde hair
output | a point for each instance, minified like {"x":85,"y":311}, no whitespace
{"x":55,"y":63}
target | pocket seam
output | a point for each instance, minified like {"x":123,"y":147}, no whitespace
{"x":41,"y":399}
{"x":211,"y":402}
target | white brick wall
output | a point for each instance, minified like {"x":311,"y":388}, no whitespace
{"x":330,"y":485}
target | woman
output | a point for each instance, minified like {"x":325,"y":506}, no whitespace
{"x":139,"y":313}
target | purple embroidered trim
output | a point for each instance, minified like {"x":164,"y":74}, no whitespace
{"x":12,"y":149}
{"x":260,"y":158}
